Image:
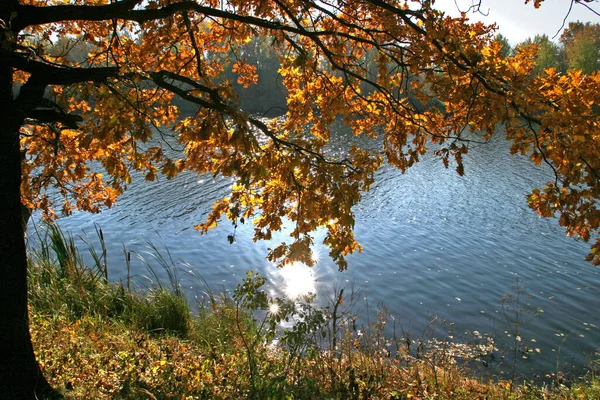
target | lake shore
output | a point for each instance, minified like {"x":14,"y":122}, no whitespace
{"x":101,"y":339}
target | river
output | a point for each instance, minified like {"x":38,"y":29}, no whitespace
{"x":435,"y":244}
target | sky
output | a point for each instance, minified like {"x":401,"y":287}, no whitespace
{"x":518,"y":21}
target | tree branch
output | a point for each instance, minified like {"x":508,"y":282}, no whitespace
{"x":34,"y":15}
{"x":52,"y":74}
{"x":159,"y":79}
{"x":6,"y":9}
{"x":28,"y":15}
{"x":52,"y":116}
{"x":124,"y":10}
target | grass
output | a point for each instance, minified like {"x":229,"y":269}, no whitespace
{"x":102,"y":340}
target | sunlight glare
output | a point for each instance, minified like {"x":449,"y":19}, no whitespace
{"x":274,"y":308}
{"x":299,"y":280}
{"x":315,"y":256}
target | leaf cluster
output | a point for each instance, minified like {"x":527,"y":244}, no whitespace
{"x":100,"y":111}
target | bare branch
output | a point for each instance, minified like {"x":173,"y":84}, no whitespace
{"x":564,"y":20}
{"x":586,"y":6}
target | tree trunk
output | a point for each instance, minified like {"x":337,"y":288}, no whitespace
{"x":20,"y":375}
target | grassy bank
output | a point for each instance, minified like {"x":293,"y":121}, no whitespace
{"x":96,"y":339}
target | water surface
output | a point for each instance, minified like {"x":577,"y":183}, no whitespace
{"x":435,"y":244}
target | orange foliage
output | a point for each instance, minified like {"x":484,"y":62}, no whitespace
{"x":440,"y":83}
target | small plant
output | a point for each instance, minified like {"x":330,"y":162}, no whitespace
{"x":306,"y":323}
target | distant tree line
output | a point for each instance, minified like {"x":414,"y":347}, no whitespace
{"x":578,"y":48}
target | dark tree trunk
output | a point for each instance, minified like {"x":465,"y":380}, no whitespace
{"x":20,"y":375}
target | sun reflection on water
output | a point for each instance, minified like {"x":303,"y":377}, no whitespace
{"x":298,"y":280}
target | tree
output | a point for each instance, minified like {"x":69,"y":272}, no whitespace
{"x":506,"y":49}
{"x":86,"y":127}
{"x":581,"y":44}
{"x":548,"y":53}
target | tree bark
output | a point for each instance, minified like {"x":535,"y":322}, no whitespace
{"x":20,"y":375}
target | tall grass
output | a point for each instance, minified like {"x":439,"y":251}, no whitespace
{"x":134,"y":340}
{"x":61,"y":282}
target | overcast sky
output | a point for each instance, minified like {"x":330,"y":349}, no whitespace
{"x":518,"y":21}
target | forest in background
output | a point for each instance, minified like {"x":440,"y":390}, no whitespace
{"x":577,"y":48}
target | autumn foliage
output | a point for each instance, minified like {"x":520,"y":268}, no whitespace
{"x":82,"y":118}
{"x":440,"y":83}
